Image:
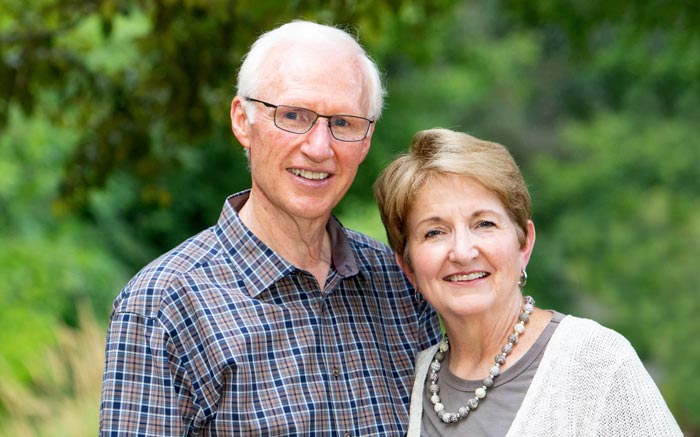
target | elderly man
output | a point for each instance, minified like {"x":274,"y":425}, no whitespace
{"x":276,"y":320}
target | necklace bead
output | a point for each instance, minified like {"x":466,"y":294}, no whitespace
{"x":494,"y":371}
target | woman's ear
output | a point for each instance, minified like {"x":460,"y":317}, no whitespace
{"x":529,"y":245}
{"x":406,"y":268}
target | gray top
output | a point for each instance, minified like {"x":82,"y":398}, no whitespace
{"x":497,"y":410}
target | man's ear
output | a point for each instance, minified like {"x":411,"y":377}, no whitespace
{"x":239,"y":122}
{"x":406,"y":268}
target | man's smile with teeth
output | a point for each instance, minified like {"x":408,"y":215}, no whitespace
{"x":306,"y":174}
{"x":469,"y":277}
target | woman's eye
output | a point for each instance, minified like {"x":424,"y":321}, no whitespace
{"x":485,"y":224}
{"x":432,"y":233}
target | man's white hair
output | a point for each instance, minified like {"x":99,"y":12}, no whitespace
{"x":250,"y":79}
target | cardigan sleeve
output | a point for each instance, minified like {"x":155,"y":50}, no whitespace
{"x":633,"y":403}
{"x":591,"y":383}
{"x":416,"y":412}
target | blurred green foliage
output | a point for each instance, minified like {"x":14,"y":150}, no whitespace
{"x":115,"y":146}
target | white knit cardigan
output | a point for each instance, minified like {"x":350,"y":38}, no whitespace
{"x":590,"y":382}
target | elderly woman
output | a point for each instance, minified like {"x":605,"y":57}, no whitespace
{"x":458,"y":216}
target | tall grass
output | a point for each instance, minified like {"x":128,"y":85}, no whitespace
{"x":63,"y":394}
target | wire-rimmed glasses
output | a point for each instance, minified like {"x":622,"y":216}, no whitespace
{"x":300,"y":120}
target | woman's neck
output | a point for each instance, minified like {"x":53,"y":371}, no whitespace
{"x":475,"y":342}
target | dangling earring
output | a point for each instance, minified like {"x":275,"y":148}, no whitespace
{"x":523,"y":279}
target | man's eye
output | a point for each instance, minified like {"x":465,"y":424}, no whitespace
{"x":486,"y":224}
{"x":291,"y":115}
{"x":340,"y":122}
{"x":299,"y":115}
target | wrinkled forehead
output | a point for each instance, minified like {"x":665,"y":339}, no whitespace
{"x":321,"y":77}
{"x":319,"y":63}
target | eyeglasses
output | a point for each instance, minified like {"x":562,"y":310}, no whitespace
{"x":300,"y":120}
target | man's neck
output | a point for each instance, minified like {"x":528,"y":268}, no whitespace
{"x":305,"y":243}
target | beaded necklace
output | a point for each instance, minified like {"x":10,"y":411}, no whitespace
{"x":479,"y":393}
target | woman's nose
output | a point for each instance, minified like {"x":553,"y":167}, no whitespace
{"x":464,"y":248}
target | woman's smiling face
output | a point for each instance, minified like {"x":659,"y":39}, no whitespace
{"x":463,"y":247}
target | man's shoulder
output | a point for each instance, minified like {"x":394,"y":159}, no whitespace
{"x":371,"y":253}
{"x":364,"y":243}
{"x":144,"y":293}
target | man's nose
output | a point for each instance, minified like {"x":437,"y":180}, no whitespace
{"x":318,"y":140}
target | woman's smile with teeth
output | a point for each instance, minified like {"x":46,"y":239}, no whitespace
{"x":306,"y":174}
{"x":469,"y":277}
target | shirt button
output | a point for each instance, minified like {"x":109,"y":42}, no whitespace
{"x":347,"y":434}
{"x":336,"y":373}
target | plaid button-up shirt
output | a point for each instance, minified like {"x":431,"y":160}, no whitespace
{"x":221,"y":336}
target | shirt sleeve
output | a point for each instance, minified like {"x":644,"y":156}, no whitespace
{"x":145,"y":389}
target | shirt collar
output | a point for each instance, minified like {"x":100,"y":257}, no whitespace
{"x":258,"y":265}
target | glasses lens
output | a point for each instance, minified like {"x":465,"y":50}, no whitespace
{"x":300,"y":120}
{"x":349,"y":128}
{"x":293,"y":119}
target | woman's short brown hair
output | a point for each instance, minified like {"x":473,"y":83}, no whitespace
{"x":436,"y":152}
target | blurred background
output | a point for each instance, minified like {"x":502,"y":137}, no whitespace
{"x":115,"y":145}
